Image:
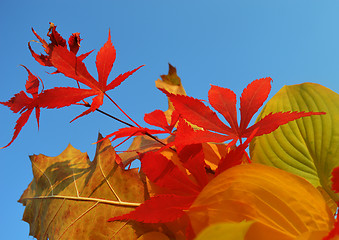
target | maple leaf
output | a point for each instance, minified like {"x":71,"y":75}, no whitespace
{"x":50,"y":98}
{"x":224,"y":101}
{"x":180,"y":185}
{"x":164,"y":207}
{"x":24,"y":105}
{"x":72,"y":66}
{"x":71,"y":197}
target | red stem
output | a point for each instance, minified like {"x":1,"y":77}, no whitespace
{"x":122,"y":110}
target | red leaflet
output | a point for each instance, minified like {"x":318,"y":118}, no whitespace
{"x":67,"y":63}
{"x":24,"y":104}
{"x":131,"y":131}
{"x":158,"y":118}
{"x":193,"y":159}
{"x":159,"y":209}
{"x":74,"y":42}
{"x":252,"y":98}
{"x":235,"y":156}
{"x":335,"y":179}
{"x":62,"y":97}
{"x":335,"y":187}
{"x":224,"y":101}
{"x":165,"y":173}
{"x":155,"y":118}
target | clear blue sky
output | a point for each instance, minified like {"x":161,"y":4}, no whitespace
{"x":225,"y":43}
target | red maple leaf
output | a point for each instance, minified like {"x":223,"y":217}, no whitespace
{"x":24,"y":105}
{"x":224,"y":101}
{"x":182,"y":190}
{"x":182,"y":186}
{"x":72,"y":66}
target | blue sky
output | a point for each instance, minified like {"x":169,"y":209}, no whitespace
{"x":225,"y":43}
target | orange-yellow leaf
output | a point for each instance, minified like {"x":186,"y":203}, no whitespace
{"x":283,"y":205}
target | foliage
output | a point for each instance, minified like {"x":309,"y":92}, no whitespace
{"x":196,"y":182}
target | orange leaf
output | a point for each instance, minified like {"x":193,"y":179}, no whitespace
{"x":279,"y":202}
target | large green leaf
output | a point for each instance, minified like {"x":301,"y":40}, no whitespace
{"x":308,"y":147}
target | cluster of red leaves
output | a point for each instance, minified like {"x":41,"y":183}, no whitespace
{"x":182,"y":182}
{"x":68,"y":63}
{"x":184,"y":186}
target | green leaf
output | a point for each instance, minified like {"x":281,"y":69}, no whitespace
{"x":230,"y":231}
{"x":308,"y":147}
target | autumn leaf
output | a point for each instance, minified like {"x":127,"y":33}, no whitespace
{"x":181,"y":176}
{"x":71,"y":197}
{"x":72,"y":66}
{"x":229,"y":231}
{"x":142,"y":144}
{"x":224,"y":101}
{"x":282,"y":205}
{"x":24,"y":105}
{"x":172,"y":84}
{"x":163,"y":207}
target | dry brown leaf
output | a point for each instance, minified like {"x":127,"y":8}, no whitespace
{"x":172,"y":84}
{"x":71,"y":197}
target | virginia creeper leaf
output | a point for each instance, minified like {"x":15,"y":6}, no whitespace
{"x":309,"y":146}
{"x":223,"y":100}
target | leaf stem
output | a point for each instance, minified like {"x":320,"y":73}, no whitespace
{"x":128,"y":124}
{"x":122,"y":110}
{"x":115,"y":118}
{"x":99,"y":200}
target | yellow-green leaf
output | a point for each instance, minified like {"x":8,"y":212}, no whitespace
{"x":282,"y":204}
{"x":221,"y":231}
{"x":308,"y":147}
{"x":71,"y":197}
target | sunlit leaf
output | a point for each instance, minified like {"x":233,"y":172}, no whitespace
{"x":222,"y":231}
{"x":308,"y":147}
{"x":172,"y":84}
{"x":282,"y":205}
{"x":71,"y":197}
